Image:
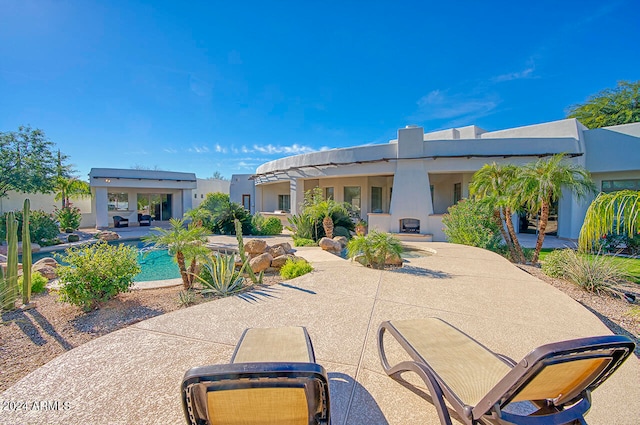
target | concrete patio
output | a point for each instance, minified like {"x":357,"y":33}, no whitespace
{"x":133,"y":375}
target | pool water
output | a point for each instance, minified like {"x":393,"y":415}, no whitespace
{"x":156,"y":264}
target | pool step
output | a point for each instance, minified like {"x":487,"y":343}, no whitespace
{"x":414,"y":237}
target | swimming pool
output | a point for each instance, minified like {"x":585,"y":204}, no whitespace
{"x":156,"y":264}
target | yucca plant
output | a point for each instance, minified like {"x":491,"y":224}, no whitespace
{"x":219,"y":276}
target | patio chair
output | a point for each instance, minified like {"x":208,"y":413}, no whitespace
{"x":144,"y":220}
{"x":119,"y":221}
{"x":551,"y":385}
{"x":272,"y":379}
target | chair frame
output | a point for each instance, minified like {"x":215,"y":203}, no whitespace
{"x":489,"y":408}
{"x":310,"y":376}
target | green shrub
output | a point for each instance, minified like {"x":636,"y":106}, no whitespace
{"x":38,"y":283}
{"x":594,"y":273}
{"x":302,"y":226}
{"x":68,"y":217}
{"x":96,"y":273}
{"x":341,"y":231}
{"x":186,"y":298}
{"x":555,"y":262}
{"x":470,"y":222}
{"x":219,"y":276}
{"x":375,"y":247}
{"x":294,"y":268}
{"x":42,"y":227}
{"x":304,"y":242}
{"x":266,"y":226}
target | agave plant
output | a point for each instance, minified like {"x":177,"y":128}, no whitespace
{"x":219,"y":276}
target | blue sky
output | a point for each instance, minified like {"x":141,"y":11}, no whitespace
{"x":226,"y":86}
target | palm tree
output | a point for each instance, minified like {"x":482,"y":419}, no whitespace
{"x":493,"y":183}
{"x":610,"y":212}
{"x":70,"y":187}
{"x":186,"y":244}
{"x":323,"y":210}
{"x":540,"y":183}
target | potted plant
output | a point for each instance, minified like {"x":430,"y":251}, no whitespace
{"x":361,"y":227}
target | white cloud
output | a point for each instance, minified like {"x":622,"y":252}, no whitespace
{"x":440,"y":104}
{"x":220,"y":149}
{"x":290,"y":150}
{"x":526,"y":73}
{"x":198,"y":149}
{"x":170,"y":150}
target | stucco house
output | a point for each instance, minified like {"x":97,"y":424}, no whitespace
{"x":406,"y":185}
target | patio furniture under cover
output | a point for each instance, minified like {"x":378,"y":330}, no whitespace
{"x":119,"y":221}
{"x":272,"y":379}
{"x":551,"y":385}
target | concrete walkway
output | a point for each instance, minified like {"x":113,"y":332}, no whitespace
{"x":133,"y":375}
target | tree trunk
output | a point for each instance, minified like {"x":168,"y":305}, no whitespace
{"x":183,"y":270}
{"x":544,"y":218}
{"x":327,"y":223}
{"x":497,"y":217}
{"x":514,"y":236}
{"x":192,"y":272}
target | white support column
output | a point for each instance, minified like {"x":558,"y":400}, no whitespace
{"x":101,"y":208}
{"x":296,"y":190}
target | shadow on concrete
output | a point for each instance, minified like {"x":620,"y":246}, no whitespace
{"x":419,"y":271}
{"x":260,"y":293}
{"x":350,"y":398}
{"x":308,"y":291}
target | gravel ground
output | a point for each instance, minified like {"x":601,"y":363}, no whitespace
{"x":31,"y":338}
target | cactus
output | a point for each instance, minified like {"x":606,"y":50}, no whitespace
{"x":243,"y":256}
{"x":10,"y":292}
{"x":26,"y":255}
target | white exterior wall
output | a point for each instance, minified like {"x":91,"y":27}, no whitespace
{"x":206,"y":186}
{"x":241,"y":184}
{"x":46,"y":202}
{"x":415,"y":160}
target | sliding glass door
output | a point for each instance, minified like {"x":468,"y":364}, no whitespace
{"x":157,"y":205}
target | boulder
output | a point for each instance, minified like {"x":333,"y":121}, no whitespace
{"x":261,"y":262}
{"x":278,"y":262}
{"x":330,"y":245}
{"x":46,"y":261}
{"x":45,"y":270}
{"x":277,"y":251}
{"x":343,"y":241}
{"x":73,"y":238}
{"x":255,"y":246}
{"x":286,"y":246}
{"x":393,"y":260}
{"x":34,"y":247}
{"x":107,"y":235}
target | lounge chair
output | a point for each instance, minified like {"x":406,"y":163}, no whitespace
{"x":144,"y":220}
{"x":551,"y":385}
{"x":119,"y":221}
{"x":272,"y":379}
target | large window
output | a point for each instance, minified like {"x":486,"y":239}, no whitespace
{"x":352,"y":196}
{"x":376,"y":199}
{"x":284,"y":203}
{"x":328,"y":193}
{"x":118,"y":202}
{"x":616,"y":185}
{"x":157,"y":205}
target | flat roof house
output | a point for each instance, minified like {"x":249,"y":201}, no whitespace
{"x":407,"y":184}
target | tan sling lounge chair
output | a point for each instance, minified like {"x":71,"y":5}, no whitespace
{"x":272,"y":379}
{"x":551,"y":385}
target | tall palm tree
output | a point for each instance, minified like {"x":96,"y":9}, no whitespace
{"x":70,"y":187}
{"x":493,"y":183}
{"x":186,"y":244}
{"x":611,"y":212}
{"x":540,"y":183}
{"x":323,"y":210}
